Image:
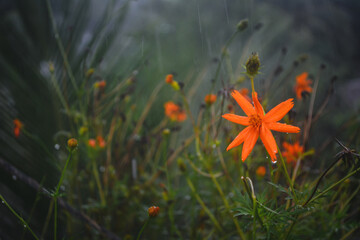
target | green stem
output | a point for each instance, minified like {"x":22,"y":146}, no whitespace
{"x":143,"y":228}
{"x":201,"y":202}
{"x":252,"y":84}
{"x":18,"y":216}
{"x":98,"y":183}
{"x":241,"y":233}
{"x":332,"y":186}
{"x":287,"y":175}
{"x":61,"y":47}
{"x":56,"y":194}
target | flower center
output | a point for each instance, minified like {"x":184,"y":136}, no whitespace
{"x":255,"y":120}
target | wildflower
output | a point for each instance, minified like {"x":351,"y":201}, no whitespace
{"x":18,"y":125}
{"x":302,"y":85}
{"x":101,"y":141}
{"x":153,"y":211}
{"x":252,"y":65}
{"x":72,"y":143}
{"x":100,"y":84}
{"x":261,"y":171}
{"x":210,"y":99}
{"x":292,"y":151}
{"x":169,"y":78}
{"x":259,"y":124}
{"x":174,"y":112}
{"x":92,"y":143}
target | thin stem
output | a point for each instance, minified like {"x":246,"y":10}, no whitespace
{"x":18,"y":216}
{"x":201,"y":202}
{"x":143,"y":228}
{"x":56,"y":194}
{"x":61,"y":47}
{"x":332,"y":186}
{"x":252,"y":84}
{"x":318,"y":182}
{"x":287,"y":175}
{"x":98,"y":183}
{"x":241,"y":233}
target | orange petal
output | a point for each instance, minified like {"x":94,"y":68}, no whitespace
{"x":259,"y":109}
{"x":278,"y":112}
{"x":249,"y":143}
{"x":269,"y":142}
{"x":236,"y":119}
{"x":239,"y":138}
{"x":301,"y":78}
{"x":282,"y":127}
{"x":243,"y":103}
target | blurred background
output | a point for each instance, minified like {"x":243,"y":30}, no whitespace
{"x":148,"y":40}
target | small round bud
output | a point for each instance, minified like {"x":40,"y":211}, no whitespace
{"x":175,"y":85}
{"x":242,"y":25}
{"x":166,"y":132}
{"x":261,"y":171}
{"x":169,"y":78}
{"x":90,"y":72}
{"x":210,"y":99}
{"x":72,"y":143}
{"x":153,"y":211}
{"x":253,"y":65}
{"x":181,"y":165}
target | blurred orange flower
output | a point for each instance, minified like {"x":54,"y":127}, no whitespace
{"x":302,"y":85}
{"x":261,"y":171}
{"x":292,"y":151}
{"x":153,"y":211}
{"x":92,"y":142}
{"x":174,"y":112}
{"x":169,"y":78}
{"x":100,"y":84}
{"x":259,"y":124}
{"x":210,"y":99}
{"x":101,"y":141}
{"x":18,"y":125}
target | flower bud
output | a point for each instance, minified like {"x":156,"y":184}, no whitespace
{"x":175,"y":85}
{"x":261,"y":171}
{"x":166,"y":132}
{"x":51,"y":67}
{"x":169,"y":78}
{"x":210,"y":99}
{"x":89,"y":72}
{"x":252,"y":65}
{"x":242,"y":25}
{"x":72,"y":143}
{"x":153,"y":211}
{"x":181,"y":165}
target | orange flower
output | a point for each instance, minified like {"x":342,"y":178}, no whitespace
{"x":210,"y":99}
{"x":100,"y":84}
{"x":174,"y":112}
{"x":302,"y":85}
{"x":101,"y":141}
{"x":18,"y":125}
{"x":92,"y":143}
{"x":153,"y":211}
{"x":245,"y":92}
{"x":292,"y":151}
{"x":261,"y":171}
{"x":259,"y":124}
{"x":169,"y":78}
